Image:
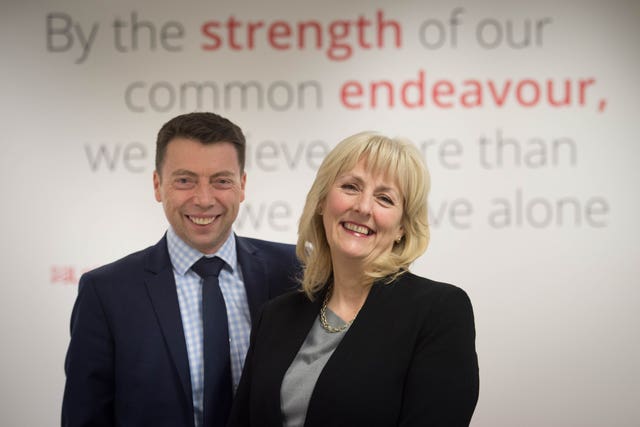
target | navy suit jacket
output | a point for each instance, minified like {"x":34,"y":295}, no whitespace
{"x":127,"y":359}
{"x":408,"y":359}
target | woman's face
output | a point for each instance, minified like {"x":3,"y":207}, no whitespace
{"x":362,"y":215}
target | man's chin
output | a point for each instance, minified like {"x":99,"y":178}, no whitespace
{"x":208,"y":243}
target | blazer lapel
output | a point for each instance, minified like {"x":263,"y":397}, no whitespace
{"x":161,"y":286}
{"x":254,"y":275}
{"x":298,"y":320}
{"x":355,"y":338}
{"x":299,"y":323}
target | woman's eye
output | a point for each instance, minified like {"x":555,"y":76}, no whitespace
{"x":386,"y":200}
{"x":350,"y":187}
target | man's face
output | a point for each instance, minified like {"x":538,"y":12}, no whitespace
{"x":201,"y":188}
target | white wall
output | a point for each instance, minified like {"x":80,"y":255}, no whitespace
{"x":555,"y":291}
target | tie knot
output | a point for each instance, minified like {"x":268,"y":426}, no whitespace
{"x":208,"y":267}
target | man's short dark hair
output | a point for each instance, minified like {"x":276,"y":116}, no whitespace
{"x":203,"y":127}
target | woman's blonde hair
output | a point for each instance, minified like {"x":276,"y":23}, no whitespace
{"x":394,"y":158}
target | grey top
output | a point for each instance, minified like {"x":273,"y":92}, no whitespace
{"x":301,"y":377}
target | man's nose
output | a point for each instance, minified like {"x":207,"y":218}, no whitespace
{"x":204,"y":195}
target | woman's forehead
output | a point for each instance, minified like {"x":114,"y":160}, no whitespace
{"x":379,"y":172}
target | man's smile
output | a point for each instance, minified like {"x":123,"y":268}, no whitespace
{"x":201,"y":220}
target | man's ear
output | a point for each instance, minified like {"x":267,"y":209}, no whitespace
{"x":156,"y":186}
{"x":243,"y":182}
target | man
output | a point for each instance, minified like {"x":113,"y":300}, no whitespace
{"x":136,"y":356}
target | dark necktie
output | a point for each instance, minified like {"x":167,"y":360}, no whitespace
{"x":217,"y":362}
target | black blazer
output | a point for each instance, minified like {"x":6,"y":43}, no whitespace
{"x":408,"y":359}
{"x":127,"y":360}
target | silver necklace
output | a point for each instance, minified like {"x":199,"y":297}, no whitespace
{"x":323,"y":316}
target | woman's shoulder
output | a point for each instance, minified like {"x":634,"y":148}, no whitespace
{"x":429,"y":304}
{"x":411,"y":282}
{"x":422,"y":290}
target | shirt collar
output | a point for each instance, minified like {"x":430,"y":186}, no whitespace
{"x":184,"y":256}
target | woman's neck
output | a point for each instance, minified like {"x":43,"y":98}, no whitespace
{"x":350,"y":290}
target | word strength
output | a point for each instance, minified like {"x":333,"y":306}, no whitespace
{"x":337,"y":38}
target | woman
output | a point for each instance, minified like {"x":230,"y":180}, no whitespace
{"x":368,"y":343}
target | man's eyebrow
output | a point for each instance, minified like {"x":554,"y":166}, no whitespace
{"x":183,"y":172}
{"x":223,"y":173}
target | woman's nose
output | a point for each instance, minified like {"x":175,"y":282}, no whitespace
{"x":363,"y":204}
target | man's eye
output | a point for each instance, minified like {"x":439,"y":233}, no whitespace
{"x":183,"y":182}
{"x":223,"y":182}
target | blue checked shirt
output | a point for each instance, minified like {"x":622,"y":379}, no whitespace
{"x":189,"y":287}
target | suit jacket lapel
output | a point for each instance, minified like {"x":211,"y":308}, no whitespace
{"x":254,"y":275}
{"x":161,"y":286}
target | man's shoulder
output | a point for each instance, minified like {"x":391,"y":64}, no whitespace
{"x":279,"y":268}
{"x":126,"y":266}
{"x":268,"y":248}
{"x":260,"y":243}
